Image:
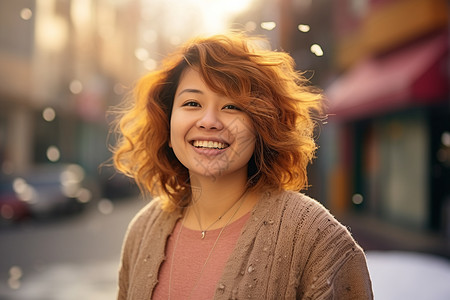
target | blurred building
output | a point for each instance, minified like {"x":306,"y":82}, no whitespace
{"x":300,"y":27}
{"x":386,"y":151}
{"x":62,"y":64}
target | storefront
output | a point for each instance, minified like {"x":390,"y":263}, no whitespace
{"x":390,"y":127}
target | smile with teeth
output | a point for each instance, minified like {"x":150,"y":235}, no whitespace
{"x":209,"y":145}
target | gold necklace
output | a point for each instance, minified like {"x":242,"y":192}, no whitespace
{"x":210,"y":251}
{"x":203,"y":231}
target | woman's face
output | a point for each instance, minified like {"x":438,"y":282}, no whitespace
{"x":209,"y":133}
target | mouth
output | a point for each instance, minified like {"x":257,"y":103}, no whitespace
{"x":209,"y":145}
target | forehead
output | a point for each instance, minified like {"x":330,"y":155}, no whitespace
{"x":217,"y":83}
{"x":190,"y":77}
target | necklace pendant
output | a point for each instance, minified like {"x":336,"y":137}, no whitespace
{"x":203,"y":234}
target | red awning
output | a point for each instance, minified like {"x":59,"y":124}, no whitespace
{"x":397,"y":80}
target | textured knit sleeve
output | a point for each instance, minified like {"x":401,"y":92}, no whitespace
{"x":336,"y":267}
{"x":130,"y":248}
{"x":124,"y":269}
{"x":352,"y":280}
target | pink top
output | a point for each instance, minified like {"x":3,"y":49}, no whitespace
{"x":188,"y":281}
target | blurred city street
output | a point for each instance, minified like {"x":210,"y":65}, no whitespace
{"x":70,"y":258}
{"x":78,"y":258}
{"x":383,"y":159}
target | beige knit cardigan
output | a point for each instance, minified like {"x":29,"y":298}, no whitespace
{"x":290,"y":248}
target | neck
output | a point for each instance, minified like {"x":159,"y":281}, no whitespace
{"x":212,"y":198}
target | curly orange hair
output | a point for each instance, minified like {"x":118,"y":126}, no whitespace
{"x":278,"y":99}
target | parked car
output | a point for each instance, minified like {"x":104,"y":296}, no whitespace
{"x":115,"y":185}
{"x":12,"y":208}
{"x":52,"y":189}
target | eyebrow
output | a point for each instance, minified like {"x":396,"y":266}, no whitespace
{"x":195,"y":91}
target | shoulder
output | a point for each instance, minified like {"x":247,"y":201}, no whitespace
{"x":306,"y":218}
{"x":331,"y":250}
{"x":303,"y":246}
{"x":146,"y":214}
{"x":140,"y":230}
{"x":148,"y":224}
{"x":301,"y":207}
{"x":143,"y":220}
{"x":297,"y":200}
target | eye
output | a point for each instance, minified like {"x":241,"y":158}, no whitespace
{"x":232,"y":106}
{"x":191,"y":103}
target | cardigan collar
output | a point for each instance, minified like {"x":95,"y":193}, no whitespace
{"x":152,"y":253}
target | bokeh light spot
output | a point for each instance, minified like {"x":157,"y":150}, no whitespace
{"x":268,"y":25}
{"x":119,"y":89}
{"x":53,"y":153}
{"x":15,"y":273}
{"x":141,"y":54}
{"x":445,"y":139}
{"x":357,"y":199}
{"x":150,"y":64}
{"x":317,"y":50}
{"x":84,"y":195}
{"x":250,"y":26}
{"x":7,"y":212}
{"x":48,"y":114}
{"x":76,"y":87}
{"x":304,"y":28}
{"x":105,"y":206}
{"x":26,"y":14}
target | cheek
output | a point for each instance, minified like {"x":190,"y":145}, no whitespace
{"x":251,"y":137}
{"x":250,"y":131}
{"x":175,"y":143}
{"x":170,"y":134}
{"x":247,"y":141}
{"x":175,"y":131}
{"x":249,"y":145}
{"x":179,"y":127}
{"x":174,"y":138}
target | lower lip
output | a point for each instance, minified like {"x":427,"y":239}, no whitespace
{"x":209,"y":152}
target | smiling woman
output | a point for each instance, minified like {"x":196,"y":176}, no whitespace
{"x":263,"y":86}
{"x":221,"y":136}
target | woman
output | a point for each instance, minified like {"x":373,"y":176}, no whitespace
{"x":221,"y":136}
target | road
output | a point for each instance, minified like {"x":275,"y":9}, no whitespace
{"x":72,"y":258}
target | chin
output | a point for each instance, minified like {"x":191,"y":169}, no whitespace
{"x":218,"y":172}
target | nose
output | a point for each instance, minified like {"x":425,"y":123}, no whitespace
{"x":210,"y":120}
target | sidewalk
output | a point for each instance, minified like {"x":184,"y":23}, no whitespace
{"x":408,"y":275}
{"x":87,"y":281}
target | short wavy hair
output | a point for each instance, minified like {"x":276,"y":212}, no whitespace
{"x":281,"y":103}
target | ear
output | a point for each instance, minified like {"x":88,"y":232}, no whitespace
{"x":170,"y":144}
